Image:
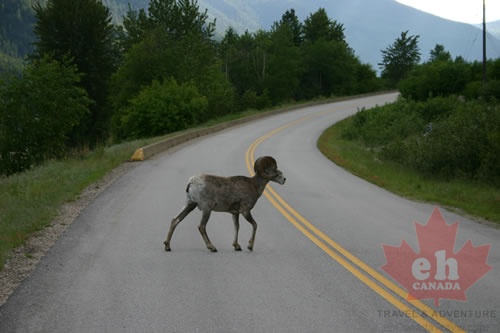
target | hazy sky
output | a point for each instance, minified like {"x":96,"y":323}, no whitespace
{"x":469,"y":11}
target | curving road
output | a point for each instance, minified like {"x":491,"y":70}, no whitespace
{"x":315,"y":266}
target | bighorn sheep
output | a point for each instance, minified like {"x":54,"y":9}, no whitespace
{"x":235,"y":195}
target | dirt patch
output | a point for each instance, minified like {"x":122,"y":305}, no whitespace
{"x":23,"y":259}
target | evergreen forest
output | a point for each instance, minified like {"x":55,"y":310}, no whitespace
{"x":87,"y":81}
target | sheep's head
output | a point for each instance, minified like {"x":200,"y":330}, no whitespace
{"x":267,"y":168}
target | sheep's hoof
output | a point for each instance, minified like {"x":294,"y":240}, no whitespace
{"x":213,"y":249}
{"x":237,"y":247}
{"x":167,"y":247}
{"x":250,"y":247}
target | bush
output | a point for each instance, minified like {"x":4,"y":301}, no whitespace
{"x":443,"y":137}
{"x":263,"y":100}
{"x":218,"y":92}
{"x":490,"y":155}
{"x":437,"y":108}
{"x":37,"y":113}
{"x":248,"y":100}
{"x":454,"y":146}
{"x":478,"y":89}
{"x":492,"y":90}
{"x":366,"y":79}
{"x":380,"y":126}
{"x":162,"y":108}
{"x":465,"y":144}
{"x":440,"y":78}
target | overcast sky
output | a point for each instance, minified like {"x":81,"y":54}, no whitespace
{"x":468,"y":11}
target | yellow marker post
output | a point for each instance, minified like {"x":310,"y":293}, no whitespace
{"x":138,"y":155}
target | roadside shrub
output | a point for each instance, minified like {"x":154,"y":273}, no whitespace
{"x":478,"y":89}
{"x":366,"y":79}
{"x":492,"y":90}
{"x":251,"y":100}
{"x":37,"y":113}
{"x":382,"y":125}
{"x":218,"y":92}
{"x":473,"y":89}
{"x":248,"y":100}
{"x":440,"y":78}
{"x":263,"y":100}
{"x":443,"y":137}
{"x":437,"y":108}
{"x":490,"y":154}
{"x":454,"y":146}
{"x":162,"y":108}
{"x":465,"y":144}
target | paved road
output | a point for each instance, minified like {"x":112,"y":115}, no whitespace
{"x":315,"y":266}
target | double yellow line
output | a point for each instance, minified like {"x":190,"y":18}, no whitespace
{"x":424,"y":315}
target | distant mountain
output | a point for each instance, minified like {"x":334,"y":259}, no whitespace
{"x":492,"y":27}
{"x":370,"y":25}
{"x":373,"y":25}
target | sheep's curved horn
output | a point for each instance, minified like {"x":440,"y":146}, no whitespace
{"x":263,"y":164}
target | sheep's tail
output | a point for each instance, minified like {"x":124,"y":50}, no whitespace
{"x":188,"y":195}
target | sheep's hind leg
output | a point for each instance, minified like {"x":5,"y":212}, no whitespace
{"x":236,"y":221}
{"x":187,"y":209}
{"x":250,"y":219}
{"x":203,"y":230}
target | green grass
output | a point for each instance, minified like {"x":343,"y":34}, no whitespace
{"x":30,"y":200}
{"x":475,"y":199}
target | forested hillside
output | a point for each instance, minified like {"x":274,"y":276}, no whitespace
{"x":16,"y":33}
{"x":16,"y":28}
{"x":369,"y":25}
{"x":90,"y":82}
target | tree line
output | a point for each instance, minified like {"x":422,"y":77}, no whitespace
{"x":161,"y":71}
{"x":89,"y":82}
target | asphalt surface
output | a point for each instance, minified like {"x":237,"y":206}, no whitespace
{"x":109,"y":271}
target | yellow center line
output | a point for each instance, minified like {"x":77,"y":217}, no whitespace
{"x":338,"y":253}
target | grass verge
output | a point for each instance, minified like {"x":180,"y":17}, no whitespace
{"x":30,"y":200}
{"x":475,"y":199}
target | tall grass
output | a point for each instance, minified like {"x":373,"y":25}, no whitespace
{"x":475,"y":198}
{"x":30,"y":200}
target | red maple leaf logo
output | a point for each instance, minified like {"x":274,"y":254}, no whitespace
{"x":436,"y":271}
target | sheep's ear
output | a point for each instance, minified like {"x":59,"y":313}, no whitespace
{"x":263,"y":164}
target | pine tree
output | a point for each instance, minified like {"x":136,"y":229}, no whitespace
{"x":400,"y":58}
{"x":319,"y":26}
{"x":81,"y":30}
{"x":291,"y":20}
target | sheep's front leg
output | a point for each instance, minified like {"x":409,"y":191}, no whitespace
{"x":203,"y":231}
{"x":250,"y":219}
{"x":236,"y":221}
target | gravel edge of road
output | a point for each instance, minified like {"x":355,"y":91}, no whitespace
{"x":23,"y":259}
